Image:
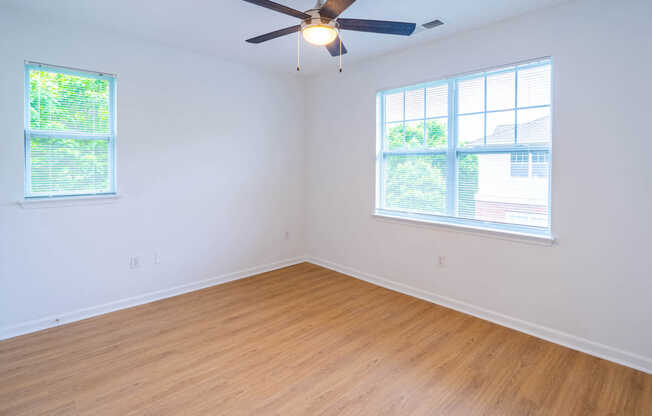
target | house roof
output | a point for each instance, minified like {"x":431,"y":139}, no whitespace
{"x":535,"y":131}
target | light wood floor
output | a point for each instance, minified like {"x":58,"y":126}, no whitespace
{"x":305,"y":341}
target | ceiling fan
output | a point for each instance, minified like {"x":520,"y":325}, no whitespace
{"x":321,"y":26}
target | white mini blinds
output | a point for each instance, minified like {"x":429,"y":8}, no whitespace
{"x":472,"y":150}
{"x":69,"y":132}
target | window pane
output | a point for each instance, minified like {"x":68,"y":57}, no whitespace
{"x":414,"y":134}
{"x":534,"y":86}
{"x":501,"y":91}
{"x":69,"y":166}
{"x":500,"y":127}
{"x":437,"y":133}
{"x":437,"y":101}
{"x":470,"y":130}
{"x":533,"y":126}
{"x":394,"y":136}
{"x":394,"y":104}
{"x":488,"y":192}
{"x":414,"y":104}
{"x":470,"y":95}
{"x":416,"y":183}
{"x":68,"y":103}
{"x":467,"y":184}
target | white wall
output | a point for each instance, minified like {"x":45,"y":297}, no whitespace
{"x":593,"y":289}
{"x":209,"y":162}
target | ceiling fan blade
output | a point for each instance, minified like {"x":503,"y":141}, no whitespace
{"x":274,"y":35}
{"x":378,"y":26}
{"x":334,"y":8}
{"x":334,"y":47}
{"x":279,"y":8}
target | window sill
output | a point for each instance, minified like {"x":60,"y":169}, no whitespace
{"x":68,"y":201}
{"x":544,"y":240}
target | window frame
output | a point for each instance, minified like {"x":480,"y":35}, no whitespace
{"x":29,"y":133}
{"x":453,"y":151}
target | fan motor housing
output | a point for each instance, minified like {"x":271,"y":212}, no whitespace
{"x":319,"y":22}
{"x":316,"y":19}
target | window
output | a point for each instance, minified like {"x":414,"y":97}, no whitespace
{"x":520,"y":166}
{"x":472,"y":150}
{"x":69,"y":132}
{"x":540,"y":164}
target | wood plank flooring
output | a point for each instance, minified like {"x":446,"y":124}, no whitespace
{"x":305,"y":341}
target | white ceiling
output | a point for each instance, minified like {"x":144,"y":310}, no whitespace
{"x":220,"y":27}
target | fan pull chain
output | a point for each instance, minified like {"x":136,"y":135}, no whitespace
{"x":340,"y":38}
{"x":299,"y":51}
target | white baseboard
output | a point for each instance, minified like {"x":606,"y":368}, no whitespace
{"x":606,"y":352}
{"x":64,"y":318}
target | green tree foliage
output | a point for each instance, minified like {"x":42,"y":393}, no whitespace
{"x":65,"y":103}
{"x":467,"y":167}
{"x":69,"y":166}
{"x":62,"y":102}
{"x":411,"y":136}
{"x":418,"y":182}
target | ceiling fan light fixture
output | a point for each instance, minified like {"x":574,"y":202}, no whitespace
{"x":319,"y":34}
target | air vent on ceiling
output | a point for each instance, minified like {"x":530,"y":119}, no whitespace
{"x":432,"y":24}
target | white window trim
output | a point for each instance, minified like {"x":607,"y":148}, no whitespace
{"x":69,"y":201}
{"x":28,"y":133}
{"x":512,"y":231}
{"x":542,"y":240}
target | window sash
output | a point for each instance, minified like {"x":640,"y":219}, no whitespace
{"x":453,"y":151}
{"x":29,"y":190}
{"x":29,"y":133}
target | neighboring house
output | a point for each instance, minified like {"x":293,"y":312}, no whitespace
{"x":513,"y":187}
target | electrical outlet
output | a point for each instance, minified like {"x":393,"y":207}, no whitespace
{"x":287,"y":235}
{"x":441,"y":261}
{"x":134,"y":262}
